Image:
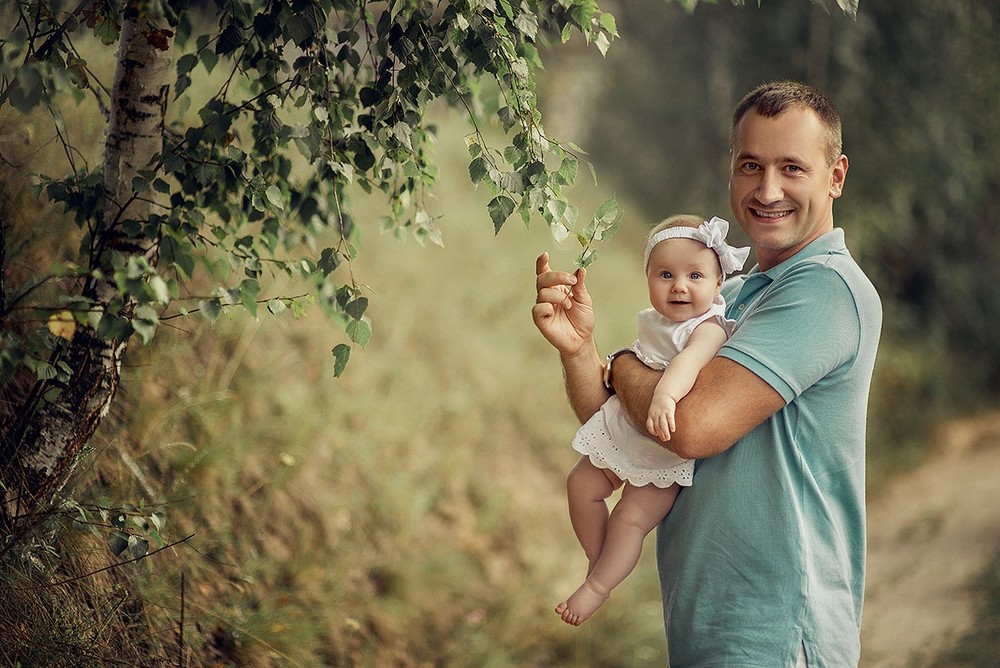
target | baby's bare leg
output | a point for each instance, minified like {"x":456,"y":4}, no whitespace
{"x":587,"y":487}
{"x":634,"y":516}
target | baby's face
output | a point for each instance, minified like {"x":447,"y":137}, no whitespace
{"x":684,"y":278}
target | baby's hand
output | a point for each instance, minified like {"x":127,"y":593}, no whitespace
{"x":660,"y":422}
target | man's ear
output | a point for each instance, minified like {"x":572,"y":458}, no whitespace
{"x":838,"y":176}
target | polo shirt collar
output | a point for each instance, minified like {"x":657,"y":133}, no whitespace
{"x":830,"y":243}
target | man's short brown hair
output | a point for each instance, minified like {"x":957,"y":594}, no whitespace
{"x":774,"y":98}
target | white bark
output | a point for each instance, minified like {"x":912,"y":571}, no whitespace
{"x":47,"y":441}
{"x":135,"y":128}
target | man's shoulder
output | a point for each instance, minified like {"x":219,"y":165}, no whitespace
{"x":827,"y":271}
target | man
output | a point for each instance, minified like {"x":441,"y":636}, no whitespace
{"x":762,"y":559}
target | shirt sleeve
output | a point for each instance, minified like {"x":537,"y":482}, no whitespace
{"x":805,"y":326}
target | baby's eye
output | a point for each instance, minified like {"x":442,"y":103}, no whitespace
{"x":696,"y":275}
{"x":666,"y":274}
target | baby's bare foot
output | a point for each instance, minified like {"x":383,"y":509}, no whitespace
{"x":582,"y":604}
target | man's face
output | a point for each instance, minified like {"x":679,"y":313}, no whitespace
{"x":781,"y":188}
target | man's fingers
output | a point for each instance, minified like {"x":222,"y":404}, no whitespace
{"x":541,"y":311}
{"x":545,"y":277}
{"x":550,"y":279}
{"x":542,"y":264}
{"x":556,"y":295}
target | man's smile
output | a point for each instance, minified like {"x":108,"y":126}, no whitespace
{"x":769,"y":215}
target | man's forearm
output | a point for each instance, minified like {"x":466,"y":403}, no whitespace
{"x":584,"y":373}
{"x":634,"y":383}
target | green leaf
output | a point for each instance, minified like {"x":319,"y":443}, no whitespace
{"x":43,"y":370}
{"x":507,"y":117}
{"x":556,"y":209}
{"x":159,"y":290}
{"x":276,"y":307}
{"x":357,"y":308}
{"x":229,"y":40}
{"x":527,"y":24}
{"x":403,"y":134}
{"x":145,"y":322}
{"x":137,"y":547}
{"x":568,"y":170}
{"x":249,"y":289}
{"x":478,"y":169}
{"x":299,"y":30}
{"x":603,"y":43}
{"x":586,"y":257}
{"x":275,"y":197}
{"x":118,"y":542}
{"x":208,"y":59}
{"x":111,"y":326}
{"x":359,"y":331}
{"x":210,"y":309}
{"x":27,"y":88}
{"x":608,"y":23}
{"x":329,"y":260}
{"x":500,"y":208}
{"x":186,"y":63}
{"x":341,"y":355}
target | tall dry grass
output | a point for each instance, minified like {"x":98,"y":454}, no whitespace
{"x":410,"y":513}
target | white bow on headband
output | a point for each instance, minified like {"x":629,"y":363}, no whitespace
{"x":712,"y":233}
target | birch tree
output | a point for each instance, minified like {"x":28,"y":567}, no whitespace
{"x":313,"y":100}
{"x":339,"y":86}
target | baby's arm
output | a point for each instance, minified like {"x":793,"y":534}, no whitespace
{"x":679,"y":377}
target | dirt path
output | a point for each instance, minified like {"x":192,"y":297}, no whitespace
{"x":931,"y":534}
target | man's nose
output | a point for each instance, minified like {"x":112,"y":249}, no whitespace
{"x":769,"y":189}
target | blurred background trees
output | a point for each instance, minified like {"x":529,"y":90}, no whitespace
{"x":918,"y":87}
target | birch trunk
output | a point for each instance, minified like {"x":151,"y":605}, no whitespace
{"x":47,"y":436}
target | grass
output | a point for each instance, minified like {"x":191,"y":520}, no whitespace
{"x":410,"y":513}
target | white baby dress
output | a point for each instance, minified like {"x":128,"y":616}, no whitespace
{"x":609,"y":438}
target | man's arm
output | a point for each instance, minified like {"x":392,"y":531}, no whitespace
{"x":564,"y":314}
{"x":726,"y":403}
{"x":584,"y":374}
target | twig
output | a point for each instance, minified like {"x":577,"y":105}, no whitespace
{"x":106,"y":568}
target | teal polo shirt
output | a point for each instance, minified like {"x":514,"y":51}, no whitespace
{"x":766,"y":550}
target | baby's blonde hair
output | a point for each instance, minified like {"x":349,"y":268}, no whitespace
{"x":678,"y":220}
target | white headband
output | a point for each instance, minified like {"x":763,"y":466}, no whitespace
{"x":712,"y":233}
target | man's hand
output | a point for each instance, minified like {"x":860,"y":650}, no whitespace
{"x":563,"y":310}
